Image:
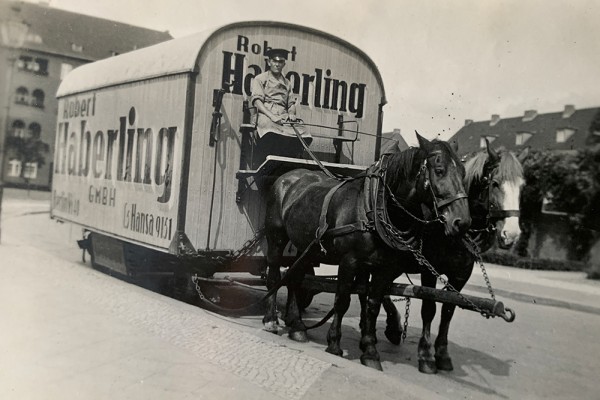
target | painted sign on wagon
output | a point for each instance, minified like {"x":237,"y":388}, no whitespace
{"x":117,"y":162}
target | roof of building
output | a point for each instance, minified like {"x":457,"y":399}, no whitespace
{"x":542,"y":128}
{"x":392,"y":142}
{"x":79,"y":36}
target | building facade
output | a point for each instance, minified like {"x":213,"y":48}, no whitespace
{"x":568,"y":131}
{"x":39,"y":46}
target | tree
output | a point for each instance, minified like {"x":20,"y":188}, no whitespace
{"x":572,"y":185}
{"x":27,"y":150}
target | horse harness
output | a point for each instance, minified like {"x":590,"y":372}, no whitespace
{"x":378,"y":219}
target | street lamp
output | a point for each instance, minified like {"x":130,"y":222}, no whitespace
{"x":13,"y":34}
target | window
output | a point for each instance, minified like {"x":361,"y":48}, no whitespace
{"x":35,"y":130}
{"x":522,"y":137}
{"x":34,"y":38}
{"x":42,"y":66}
{"x":38,"y":66}
{"x":65,"y":69}
{"x":23,"y":62}
{"x":22,"y":95}
{"x":562,"y":135}
{"x":18,"y":128}
{"x":490,"y":139}
{"x":37,"y":98}
{"x":14,"y":168}
{"x":77,"y":48}
{"x":30,"y":170}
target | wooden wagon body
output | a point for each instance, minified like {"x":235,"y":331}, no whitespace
{"x":139,"y":160}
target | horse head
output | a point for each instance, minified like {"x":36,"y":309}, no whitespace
{"x":434,"y":186}
{"x":494,"y":182}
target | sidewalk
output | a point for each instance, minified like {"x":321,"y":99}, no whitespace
{"x":70,"y":332}
{"x":571,"y":290}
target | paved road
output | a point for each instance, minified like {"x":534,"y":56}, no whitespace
{"x":70,"y":332}
{"x":77,"y":333}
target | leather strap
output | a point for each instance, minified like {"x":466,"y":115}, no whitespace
{"x":323,"y":218}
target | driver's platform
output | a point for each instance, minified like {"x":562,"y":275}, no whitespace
{"x":275,"y":166}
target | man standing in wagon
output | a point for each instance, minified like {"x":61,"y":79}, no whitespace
{"x":273,"y":98}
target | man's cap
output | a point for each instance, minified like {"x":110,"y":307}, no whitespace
{"x":278,"y":53}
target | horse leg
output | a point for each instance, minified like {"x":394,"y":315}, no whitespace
{"x":368,"y":342}
{"x":426,"y":358}
{"x":276,"y":243}
{"x":293,"y":316}
{"x":442,"y":357}
{"x":346,"y":275}
{"x":363,"y":279}
{"x":393,"y":327}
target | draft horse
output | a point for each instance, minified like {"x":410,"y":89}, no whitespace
{"x":357,"y":223}
{"x":493,"y":182}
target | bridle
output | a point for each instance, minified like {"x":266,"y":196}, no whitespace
{"x":493,"y":211}
{"x":438,"y":202}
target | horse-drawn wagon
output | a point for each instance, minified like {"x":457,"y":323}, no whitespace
{"x":146,"y":161}
{"x":156,"y":152}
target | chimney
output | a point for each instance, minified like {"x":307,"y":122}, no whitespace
{"x":468,"y":122}
{"x":529,"y":115}
{"x":569,"y":110}
{"x":396,"y":131}
{"x":495,"y":119}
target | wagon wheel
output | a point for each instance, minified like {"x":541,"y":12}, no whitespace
{"x":305,"y":296}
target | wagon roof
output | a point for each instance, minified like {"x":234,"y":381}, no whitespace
{"x":169,"y":58}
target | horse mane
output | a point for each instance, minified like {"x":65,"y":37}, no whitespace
{"x":404,"y":162}
{"x":509,"y":168}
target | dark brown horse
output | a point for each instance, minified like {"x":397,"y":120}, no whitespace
{"x":368,"y":222}
{"x":493,"y":182}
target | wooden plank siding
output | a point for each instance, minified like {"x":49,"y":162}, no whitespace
{"x":232,"y":223}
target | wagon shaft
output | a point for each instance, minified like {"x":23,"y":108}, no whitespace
{"x":492,"y":307}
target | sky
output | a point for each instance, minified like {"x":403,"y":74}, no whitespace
{"x":442,"y":62}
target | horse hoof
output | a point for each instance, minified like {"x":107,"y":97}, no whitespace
{"x":335,"y":351}
{"x":393,"y":336}
{"x":369,"y":362}
{"x":298,"y":336}
{"x":271,"y":326}
{"x":427,"y":367}
{"x":444,"y":363}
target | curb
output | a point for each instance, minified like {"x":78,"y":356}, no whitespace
{"x":545,"y":301}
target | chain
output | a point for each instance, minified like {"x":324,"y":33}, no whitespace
{"x":474,"y":249}
{"x":406,"y":312}
{"x":423,"y":262}
{"x":196,"y":282}
{"x":244,"y":251}
{"x":400,"y":206}
{"x":249,"y":246}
